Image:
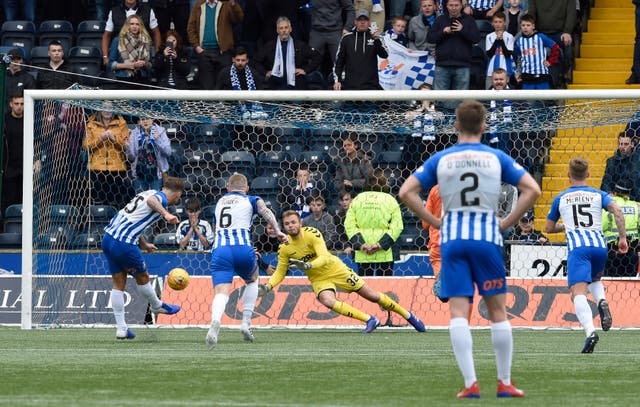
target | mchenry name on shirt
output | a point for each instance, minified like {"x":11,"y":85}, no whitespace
{"x":578,"y":198}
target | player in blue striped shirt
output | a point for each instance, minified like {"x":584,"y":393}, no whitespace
{"x":581,"y":209}
{"x":469,"y":176}
{"x":122,"y":243}
{"x":233,"y":252}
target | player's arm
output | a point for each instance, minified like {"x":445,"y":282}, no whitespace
{"x":529,"y":193}
{"x":410,"y":195}
{"x":278,"y":275}
{"x":268,"y":216}
{"x":551,"y":225}
{"x":144,"y":245}
{"x":154,"y":203}
{"x":613,"y":208}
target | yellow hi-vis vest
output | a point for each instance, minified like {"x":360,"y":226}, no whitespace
{"x":630,"y":211}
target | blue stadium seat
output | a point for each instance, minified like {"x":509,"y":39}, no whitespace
{"x":208,"y":212}
{"x":86,"y":241}
{"x":316,"y":160}
{"x":239,"y":161}
{"x":86,"y":61}
{"x":89,"y":33}
{"x":389,"y":159}
{"x":274,"y":164}
{"x":39,"y":56}
{"x":13,"y":218}
{"x":58,"y":239}
{"x":64,"y":215}
{"x":9,"y":240}
{"x":19,"y":33}
{"x":265,"y":185}
{"x":59,"y":30}
{"x":166,"y":241}
{"x":100,"y":215}
{"x":5,"y":50}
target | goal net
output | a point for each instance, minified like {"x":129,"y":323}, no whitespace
{"x":72,"y":188}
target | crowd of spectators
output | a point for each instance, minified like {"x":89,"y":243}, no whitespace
{"x":295,"y":44}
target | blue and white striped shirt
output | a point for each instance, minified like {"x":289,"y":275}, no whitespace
{"x":470,"y":177}
{"x":581,"y":211}
{"x":532,"y":53}
{"x":233,"y":218}
{"x":132,"y":220}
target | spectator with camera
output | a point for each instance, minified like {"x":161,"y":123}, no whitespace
{"x":171,"y":64}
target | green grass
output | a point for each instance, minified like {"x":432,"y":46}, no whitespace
{"x":392,"y":367}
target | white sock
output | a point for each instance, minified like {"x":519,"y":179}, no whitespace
{"x":597,"y":290}
{"x":463,"y":348}
{"x":583,"y":312}
{"x":502,"y":340}
{"x":148,"y":292}
{"x":218,"y":305}
{"x":249,"y":298}
{"x":117,"y":304}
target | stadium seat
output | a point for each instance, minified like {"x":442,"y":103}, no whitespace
{"x":274,"y":164}
{"x":99,"y":216}
{"x":87,"y":241}
{"x":293,"y":148}
{"x":58,"y":239}
{"x":5,"y":50}
{"x":316,"y":160}
{"x":19,"y":33}
{"x":10,"y":240}
{"x":86,"y":61}
{"x":389,"y":159}
{"x":409,"y":240}
{"x":13,"y":219}
{"x":89,"y":33}
{"x":39,"y":56}
{"x":239,"y":161}
{"x":265,"y":185}
{"x":180,"y":211}
{"x":60,"y":30}
{"x":166,"y":241}
{"x":64,"y":215}
{"x":176,"y":159}
{"x":208,"y":212}
{"x":326,"y":140}
{"x":217,"y":187}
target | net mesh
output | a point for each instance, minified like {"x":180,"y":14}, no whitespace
{"x":268,"y":142}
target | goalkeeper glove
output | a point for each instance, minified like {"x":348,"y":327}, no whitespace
{"x":263,"y":289}
{"x":299,"y":264}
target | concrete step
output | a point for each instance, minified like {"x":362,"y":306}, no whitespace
{"x":560,"y":170}
{"x":600,"y":77}
{"x":603,"y":64}
{"x":602,"y":86}
{"x":598,"y":38}
{"x":608,"y":27}
{"x":607,"y":51}
{"x":557,"y":156}
{"x":613,"y":4}
{"x":585,"y":144}
{"x":562,"y":183}
{"x":611,"y":13}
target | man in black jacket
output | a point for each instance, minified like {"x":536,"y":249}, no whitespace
{"x":287,"y":61}
{"x":621,"y":168}
{"x":356,"y":65}
{"x":17,"y":78}
{"x":13,"y":153}
{"x":57,"y":73}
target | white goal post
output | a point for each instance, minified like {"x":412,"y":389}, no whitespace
{"x":614,"y":106}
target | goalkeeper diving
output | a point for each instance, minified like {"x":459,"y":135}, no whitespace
{"x":307,"y":251}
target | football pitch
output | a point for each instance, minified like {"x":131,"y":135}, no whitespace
{"x":391,"y":367}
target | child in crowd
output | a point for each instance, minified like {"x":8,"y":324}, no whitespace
{"x":322,"y":220}
{"x":513,"y":14}
{"x":532,"y":57}
{"x":397,"y":31}
{"x":499,"y":47}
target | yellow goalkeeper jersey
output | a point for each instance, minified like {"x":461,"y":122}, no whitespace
{"x":308,"y":247}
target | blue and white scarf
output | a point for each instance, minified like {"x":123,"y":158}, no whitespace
{"x":235,"y":81}
{"x":290,"y":66}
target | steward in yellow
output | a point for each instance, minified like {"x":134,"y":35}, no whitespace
{"x":622,"y":265}
{"x":373,"y":224}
